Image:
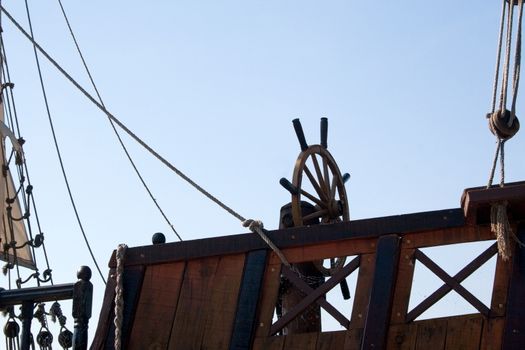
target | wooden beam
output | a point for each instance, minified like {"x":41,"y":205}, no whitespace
{"x":316,"y":294}
{"x":514,"y":333}
{"x":293,"y":237}
{"x":251,"y":288}
{"x":381,"y":296}
{"x":452,"y":282}
{"x":459,"y":277}
{"x":476,"y":202}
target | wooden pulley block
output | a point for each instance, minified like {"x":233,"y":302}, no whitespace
{"x":499,"y":124}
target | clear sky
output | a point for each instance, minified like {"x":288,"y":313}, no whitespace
{"x":213,"y":87}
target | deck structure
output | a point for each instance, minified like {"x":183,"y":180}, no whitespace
{"x":221,"y":293}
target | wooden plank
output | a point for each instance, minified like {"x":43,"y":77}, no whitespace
{"x":331,"y":340}
{"x":271,"y":283}
{"x":192,"y":308}
{"x":222,"y":302}
{"x":353,"y":339}
{"x":268,"y":343}
{"x":132,"y":284}
{"x":157,"y":305}
{"x":378,"y":315}
{"x":500,"y":287}
{"x":251,"y":289}
{"x":514,"y":334}
{"x":294,"y":237}
{"x":303,"y":341}
{"x":452,"y":235}
{"x":464,"y":332}
{"x":431,"y":334}
{"x":402,"y":337}
{"x":492,"y":335}
{"x":405,"y":275}
{"x":328,"y":250}
{"x":106,"y":314}
{"x":362,"y":290}
{"x":476,"y":202}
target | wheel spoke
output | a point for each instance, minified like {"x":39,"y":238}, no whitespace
{"x":317,"y":214}
{"x":327,"y":179}
{"x":314,"y":183}
{"x":313,"y":198}
{"x":333,"y":187}
{"x":322,"y":180}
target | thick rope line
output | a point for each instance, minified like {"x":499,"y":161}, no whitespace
{"x":121,"y":142}
{"x":120,"y":256}
{"x":506,"y":65}
{"x":62,"y":167}
{"x":256,"y":228}
{"x":498,"y":57}
{"x":517,"y":67}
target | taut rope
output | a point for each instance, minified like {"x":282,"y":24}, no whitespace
{"x":503,"y":122}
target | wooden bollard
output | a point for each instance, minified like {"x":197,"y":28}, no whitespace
{"x":82,"y":302}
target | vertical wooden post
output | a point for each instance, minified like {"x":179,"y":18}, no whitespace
{"x":27,"y":317}
{"x":82,"y":302}
{"x":514,"y":332}
{"x":381,"y":296}
{"x":251,"y":287}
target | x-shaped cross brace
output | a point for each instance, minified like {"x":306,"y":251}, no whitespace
{"x":452,"y":283}
{"x":315,"y":295}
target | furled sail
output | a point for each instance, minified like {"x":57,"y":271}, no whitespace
{"x":13,"y":233}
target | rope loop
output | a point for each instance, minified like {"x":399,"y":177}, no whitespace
{"x":499,"y":124}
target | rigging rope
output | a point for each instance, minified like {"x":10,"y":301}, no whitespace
{"x":503,"y":123}
{"x":62,"y":167}
{"x":254,"y":228}
{"x":123,"y":146}
{"x":120,"y":255}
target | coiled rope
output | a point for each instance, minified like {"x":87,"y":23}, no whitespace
{"x":503,"y":122}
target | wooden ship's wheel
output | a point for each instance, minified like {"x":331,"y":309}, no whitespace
{"x":318,"y":182}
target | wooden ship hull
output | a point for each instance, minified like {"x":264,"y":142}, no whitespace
{"x":221,"y":293}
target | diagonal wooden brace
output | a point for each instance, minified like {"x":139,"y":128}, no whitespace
{"x":315,"y":295}
{"x":452,"y":282}
{"x":459,"y":277}
{"x":305,"y":288}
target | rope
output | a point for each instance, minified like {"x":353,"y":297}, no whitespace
{"x":122,"y":145}
{"x":498,"y":58}
{"x":119,"y":294}
{"x":504,"y":124}
{"x":62,"y":167}
{"x":256,"y":228}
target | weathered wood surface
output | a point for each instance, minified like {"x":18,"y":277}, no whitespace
{"x":251,"y":289}
{"x":476,"y":202}
{"x":157,"y":305}
{"x":207,"y":302}
{"x":514,"y":336}
{"x":294,"y":237}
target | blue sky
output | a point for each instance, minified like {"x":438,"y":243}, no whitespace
{"x":213,"y":87}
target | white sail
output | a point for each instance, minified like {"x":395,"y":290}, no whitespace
{"x":12,"y":227}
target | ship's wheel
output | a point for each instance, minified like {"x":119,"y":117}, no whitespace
{"x":318,"y":181}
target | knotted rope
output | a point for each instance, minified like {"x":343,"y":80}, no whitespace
{"x":256,"y":226}
{"x":503,"y":122}
{"x":119,"y":295}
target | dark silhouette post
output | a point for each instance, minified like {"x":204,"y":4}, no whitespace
{"x":82,"y":302}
